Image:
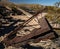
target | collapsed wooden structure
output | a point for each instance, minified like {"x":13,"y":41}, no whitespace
{"x":44,"y":32}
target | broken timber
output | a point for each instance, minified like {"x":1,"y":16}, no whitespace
{"x":11,"y":39}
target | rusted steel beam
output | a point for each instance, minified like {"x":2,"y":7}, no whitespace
{"x":12,"y":33}
{"x":23,"y":24}
{"x":44,"y":28}
{"x":45,"y":37}
{"x":38,"y":39}
{"x":23,"y":38}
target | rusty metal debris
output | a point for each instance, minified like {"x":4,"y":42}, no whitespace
{"x":42,"y":33}
{"x":45,"y":37}
{"x":44,"y":28}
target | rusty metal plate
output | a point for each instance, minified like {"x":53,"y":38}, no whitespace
{"x":45,"y":37}
{"x":44,"y":28}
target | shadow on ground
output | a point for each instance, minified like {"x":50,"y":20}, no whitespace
{"x":1,"y":46}
{"x":11,"y":27}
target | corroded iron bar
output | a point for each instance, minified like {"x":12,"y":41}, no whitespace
{"x":44,"y":28}
{"x":45,"y":37}
{"x":21,"y":26}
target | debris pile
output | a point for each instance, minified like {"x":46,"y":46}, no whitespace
{"x":35,"y":31}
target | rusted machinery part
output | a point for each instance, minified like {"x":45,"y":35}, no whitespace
{"x":44,"y":28}
{"x":11,"y":39}
{"x":45,"y":37}
{"x":22,"y":25}
{"x":36,"y":40}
